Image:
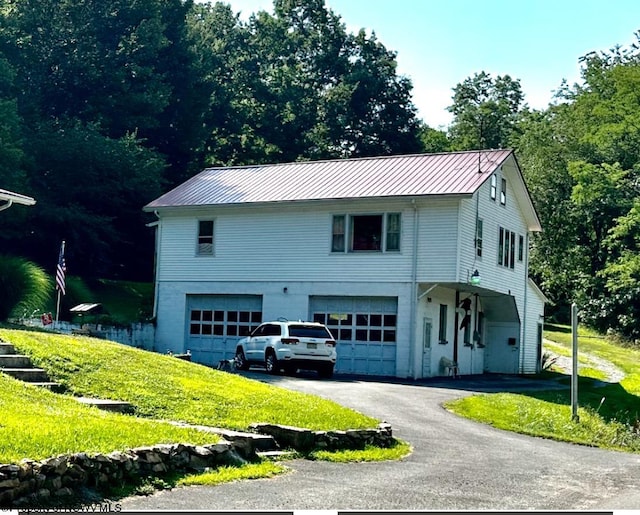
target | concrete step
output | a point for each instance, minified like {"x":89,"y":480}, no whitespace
{"x":14,"y":361}
{"x":29,"y":375}
{"x":6,"y":348}
{"x":106,"y":404}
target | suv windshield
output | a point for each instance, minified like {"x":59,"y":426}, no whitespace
{"x":309,"y":331}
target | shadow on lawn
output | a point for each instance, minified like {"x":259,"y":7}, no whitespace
{"x":610,"y":400}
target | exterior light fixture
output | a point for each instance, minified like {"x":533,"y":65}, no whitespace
{"x":475,"y":278}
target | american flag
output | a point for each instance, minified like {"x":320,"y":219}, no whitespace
{"x":61,"y":271}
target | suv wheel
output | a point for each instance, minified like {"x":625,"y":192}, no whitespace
{"x":241,"y":361}
{"x":271,"y":363}
{"x":326,"y":371}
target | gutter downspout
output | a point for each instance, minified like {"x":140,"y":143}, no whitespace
{"x":158,"y":240}
{"x":414,"y":294}
{"x":526,"y":300}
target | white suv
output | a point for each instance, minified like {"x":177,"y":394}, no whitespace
{"x":289,"y":346}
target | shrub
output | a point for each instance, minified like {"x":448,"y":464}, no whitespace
{"x":24,"y":285}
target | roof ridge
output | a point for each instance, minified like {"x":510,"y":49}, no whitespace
{"x":363,"y":158}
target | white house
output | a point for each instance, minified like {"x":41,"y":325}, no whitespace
{"x":407,"y":260}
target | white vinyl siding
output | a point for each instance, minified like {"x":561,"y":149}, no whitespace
{"x":282,"y":243}
{"x":437,"y":240}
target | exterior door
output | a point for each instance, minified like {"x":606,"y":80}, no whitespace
{"x":426,"y":348}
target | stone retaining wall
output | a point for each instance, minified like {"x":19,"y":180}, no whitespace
{"x":37,"y":482}
{"x":307,"y":440}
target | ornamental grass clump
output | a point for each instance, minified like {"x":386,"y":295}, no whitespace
{"x":25,"y":287}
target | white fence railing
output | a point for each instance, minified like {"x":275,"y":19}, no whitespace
{"x":140,"y":335}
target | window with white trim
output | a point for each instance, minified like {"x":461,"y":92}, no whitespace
{"x":205,"y":238}
{"x":520,"y":247}
{"x":503,"y":191}
{"x":494,"y":186}
{"x":338,"y":233}
{"x":506,"y":248}
{"x":479,"y":237}
{"x":366,"y":233}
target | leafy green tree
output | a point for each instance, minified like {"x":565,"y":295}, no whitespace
{"x":486,"y":111}
{"x":434,"y":140}
{"x":91,"y":195}
{"x":125,"y":67}
{"x":585,"y":150}
{"x":296,"y":85}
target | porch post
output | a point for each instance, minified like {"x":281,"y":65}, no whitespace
{"x":455,"y":330}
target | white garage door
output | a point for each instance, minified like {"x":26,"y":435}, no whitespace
{"x":215,"y":323}
{"x":365,"y":329}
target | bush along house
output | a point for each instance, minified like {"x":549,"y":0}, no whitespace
{"x":413,"y":262}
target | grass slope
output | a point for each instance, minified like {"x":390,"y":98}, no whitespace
{"x":609,"y":415}
{"x":164,"y":387}
{"x":38,"y":424}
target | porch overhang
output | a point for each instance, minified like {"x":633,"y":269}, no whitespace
{"x":497,"y":306}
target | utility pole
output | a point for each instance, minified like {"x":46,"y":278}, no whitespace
{"x":574,"y":362}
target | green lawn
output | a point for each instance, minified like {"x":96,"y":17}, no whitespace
{"x":164,"y":387}
{"x":38,"y":424}
{"x":609,"y":415}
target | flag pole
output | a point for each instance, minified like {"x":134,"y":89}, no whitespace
{"x":57,"y":309}
{"x":61,"y":270}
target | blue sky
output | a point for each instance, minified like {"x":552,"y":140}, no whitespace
{"x":440,"y":43}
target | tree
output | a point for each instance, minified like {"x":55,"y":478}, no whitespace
{"x":585,"y":151}
{"x":296,"y":85}
{"x":122,"y":66}
{"x":91,"y":195}
{"x":485,"y":112}
{"x":434,"y":140}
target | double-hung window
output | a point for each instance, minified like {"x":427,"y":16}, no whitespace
{"x":503,"y":191}
{"x":366,"y":233}
{"x":479,"y":237}
{"x":506,"y":248}
{"x":205,"y":238}
{"x":494,"y":186}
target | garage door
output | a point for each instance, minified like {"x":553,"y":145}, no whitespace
{"x":215,"y":323}
{"x":365,"y":329}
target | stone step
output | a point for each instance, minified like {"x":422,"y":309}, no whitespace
{"x":29,"y":375}
{"x":260,"y":443}
{"x":6,"y":348}
{"x":14,"y":361}
{"x":106,"y":404}
{"x":49,"y":385}
{"x":277,"y":455}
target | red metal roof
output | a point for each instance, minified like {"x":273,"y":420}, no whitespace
{"x":452,"y":173}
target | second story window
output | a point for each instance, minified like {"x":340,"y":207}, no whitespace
{"x":393,"y":232}
{"x":479,"y":237}
{"x":366,"y":233}
{"x":494,"y":186}
{"x":503,"y":192}
{"x":520,"y":247}
{"x":205,"y":238}
{"x":506,"y":248}
{"x":337,"y":234}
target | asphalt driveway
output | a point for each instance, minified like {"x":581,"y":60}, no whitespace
{"x":457,"y":464}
